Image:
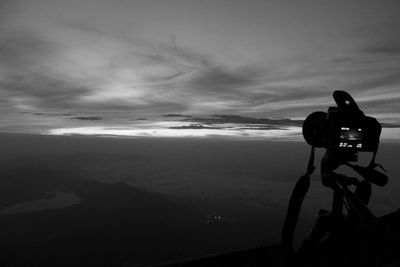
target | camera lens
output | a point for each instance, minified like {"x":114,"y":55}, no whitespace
{"x":313,"y":128}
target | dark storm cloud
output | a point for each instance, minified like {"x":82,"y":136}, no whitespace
{"x":236,"y":119}
{"x":88,"y":118}
{"x":196,"y":127}
{"x":238,"y":127}
{"x":175,"y":115}
{"x":48,"y":114}
{"x":264,"y":128}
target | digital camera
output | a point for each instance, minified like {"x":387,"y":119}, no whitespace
{"x":344,"y":128}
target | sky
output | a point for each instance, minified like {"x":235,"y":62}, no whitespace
{"x":194,"y":68}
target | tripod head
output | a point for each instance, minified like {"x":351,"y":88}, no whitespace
{"x":332,"y":160}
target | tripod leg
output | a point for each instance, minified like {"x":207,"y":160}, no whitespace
{"x":321,"y":227}
{"x":363,"y":191}
{"x":309,"y":251}
{"x":338,"y":232}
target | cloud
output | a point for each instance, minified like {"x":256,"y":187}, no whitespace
{"x":88,"y":118}
{"x":383,"y":40}
{"x":195,"y":126}
{"x":222,"y":80}
{"x":175,"y":115}
{"x":236,"y":119}
{"x":390,"y":125}
{"x":236,"y":122}
{"x":264,"y":128}
{"x":89,"y":76}
{"x":60,"y":57}
{"x":391,"y":49}
{"x":170,"y":78}
{"x":28,"y":79}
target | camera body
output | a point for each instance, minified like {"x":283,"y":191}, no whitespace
{"x":344,"y":129}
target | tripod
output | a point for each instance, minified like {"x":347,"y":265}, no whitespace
{"x":336,"y":235}
{"x":337,"y":239}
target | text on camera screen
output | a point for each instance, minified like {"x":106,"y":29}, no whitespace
{"x":350,"y":137}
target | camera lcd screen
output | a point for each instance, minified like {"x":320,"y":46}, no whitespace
{"x":351,"y":138}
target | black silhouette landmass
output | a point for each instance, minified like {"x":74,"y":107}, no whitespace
{"x":114,"y":224}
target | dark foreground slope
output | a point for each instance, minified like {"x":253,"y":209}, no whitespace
{"x":270,"y":256}
{"x":114,"y":224}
